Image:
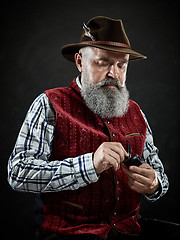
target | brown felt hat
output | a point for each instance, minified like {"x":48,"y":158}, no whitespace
{"x":105,"y":33}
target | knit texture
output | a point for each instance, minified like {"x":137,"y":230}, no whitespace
{"x":109,"y":202}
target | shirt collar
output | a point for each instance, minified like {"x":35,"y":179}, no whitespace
{"x":78,"y":82}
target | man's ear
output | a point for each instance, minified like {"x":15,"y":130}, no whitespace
{"x":78,"y":61}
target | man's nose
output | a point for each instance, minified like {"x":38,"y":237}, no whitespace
{"x":113,"y":72}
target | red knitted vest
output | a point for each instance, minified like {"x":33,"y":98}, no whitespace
{"x":109,"y":202}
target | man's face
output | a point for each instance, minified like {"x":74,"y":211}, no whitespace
{"x":103,"y":76}
{"x":100,"y":64}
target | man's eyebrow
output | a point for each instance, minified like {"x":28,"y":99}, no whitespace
{"x":124,"y":61}
{"x":104,"y":59}
{"x":107,"y":60}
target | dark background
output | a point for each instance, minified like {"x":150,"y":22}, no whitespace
{"x":32,"y":33}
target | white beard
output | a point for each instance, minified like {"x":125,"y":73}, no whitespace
{"x":103,"y":101}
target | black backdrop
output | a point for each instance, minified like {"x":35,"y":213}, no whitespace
{"x":32,"y":33}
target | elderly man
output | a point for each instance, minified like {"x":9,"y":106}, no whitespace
{"x":74,"y":142}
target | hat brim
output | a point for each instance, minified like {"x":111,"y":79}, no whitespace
{"x":69,"y":50}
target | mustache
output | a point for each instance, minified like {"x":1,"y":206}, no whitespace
{"x":109,"y":81}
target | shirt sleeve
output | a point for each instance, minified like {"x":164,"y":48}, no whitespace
{"x":150,"y":156}
{"x":29,"y":168}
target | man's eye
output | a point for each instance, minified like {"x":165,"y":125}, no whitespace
{"x":122,"y":65}
{"x":102,"y":63}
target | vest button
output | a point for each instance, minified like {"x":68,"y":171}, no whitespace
{"x":118,"y":198}
{"x":115,"y":213}
{"x":113,"y":134}
{"x":117,"y":182}
{"x":108,"y":122}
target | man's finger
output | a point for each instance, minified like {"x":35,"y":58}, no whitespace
{"x":115,"y":156}
{"x":137,"y":177}
{"x":144,"y":170}
{"x":119,"y":149}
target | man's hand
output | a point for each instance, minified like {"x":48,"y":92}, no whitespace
{"x":142,"y":179}
{"x":109,"y":154}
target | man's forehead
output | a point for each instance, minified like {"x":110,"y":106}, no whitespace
{"x":101,"y":53}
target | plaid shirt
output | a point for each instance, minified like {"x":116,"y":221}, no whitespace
{"x":30,"y":170}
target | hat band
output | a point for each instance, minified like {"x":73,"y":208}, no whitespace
{"x":116,"y":44}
